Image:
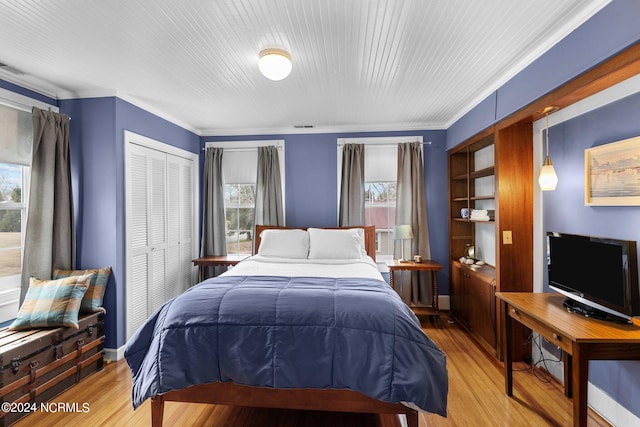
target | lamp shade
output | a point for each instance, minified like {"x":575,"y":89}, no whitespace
{"x":548,"y":180}
{"x":402,"y":232}
{"x":275,"y":64}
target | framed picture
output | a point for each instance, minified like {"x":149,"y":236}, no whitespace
{"x":612,"y":174}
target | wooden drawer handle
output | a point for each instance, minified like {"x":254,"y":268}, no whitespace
{"x":556,"y":337}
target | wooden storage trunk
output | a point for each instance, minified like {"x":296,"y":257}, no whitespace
{"x":39,"y":364}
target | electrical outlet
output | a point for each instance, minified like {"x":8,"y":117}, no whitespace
{"x":507,"y":238}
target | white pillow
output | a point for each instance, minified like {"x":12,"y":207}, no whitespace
{"x":284,"y":243}
{"x":336,"y":244}
{"x":364,"y":248}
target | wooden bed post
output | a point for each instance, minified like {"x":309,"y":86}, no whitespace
{"x":157,"y":410}
{"x":412,"y":418}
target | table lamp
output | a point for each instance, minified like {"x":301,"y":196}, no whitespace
{"x":402,"y":232}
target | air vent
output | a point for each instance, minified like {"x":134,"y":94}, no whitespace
{"x":303,"y":126}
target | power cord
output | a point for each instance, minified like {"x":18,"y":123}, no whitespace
{"x":541,"y":361}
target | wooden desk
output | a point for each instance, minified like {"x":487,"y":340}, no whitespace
{"x":218,"y":260}
{"x":425,"y":265}
{"x":581,"y":339}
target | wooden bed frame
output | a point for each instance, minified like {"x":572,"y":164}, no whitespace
{"x":301,"y":399}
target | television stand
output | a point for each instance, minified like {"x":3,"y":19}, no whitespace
{"x":588,"y":311}
{"x":581,"y":339}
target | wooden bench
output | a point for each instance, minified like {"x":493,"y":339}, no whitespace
{"x":37,"y":365}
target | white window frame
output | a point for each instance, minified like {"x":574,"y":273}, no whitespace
{"x":237,"y":207}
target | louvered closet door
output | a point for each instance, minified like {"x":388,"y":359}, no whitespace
{"x":173,"y":286}
{"x":147,"y":251}
{"x":157,"y":230}
{"x":146,"y":234}
{"x":187,"y":223}
{"x":160,"y":191}
{"x":180,"y":225}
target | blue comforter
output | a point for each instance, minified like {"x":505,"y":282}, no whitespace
{"x":290,"y":332}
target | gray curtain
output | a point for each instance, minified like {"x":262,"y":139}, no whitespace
{"x":50,"y":234}
{"x":352,"y":186}
{"x":411,"y":208}
{"x":269,"y":209}
{"x":214,"y":236}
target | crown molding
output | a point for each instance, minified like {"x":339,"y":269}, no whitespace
{"x":390,"y":127}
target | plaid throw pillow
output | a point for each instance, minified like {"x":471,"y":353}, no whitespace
{"x":52,"y":303}
{"x":92,"y":301}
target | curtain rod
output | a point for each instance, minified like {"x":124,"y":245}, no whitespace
{"x":341,"y":144}
{"x":241,"y":149}
{"x":58,"y":112}
{"x":26,"y":108}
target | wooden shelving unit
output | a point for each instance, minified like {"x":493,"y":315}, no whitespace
{"x":462,"y":193}
{"x":509,"y":176}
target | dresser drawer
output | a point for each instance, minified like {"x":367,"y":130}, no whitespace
{"x":547,"y":331}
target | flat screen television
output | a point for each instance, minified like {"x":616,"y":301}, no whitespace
{"x":599,"y":276}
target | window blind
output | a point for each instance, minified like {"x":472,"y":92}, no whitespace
{"x":240,"y":166}
{"x":16,"y":136}
{"x":380,"y":156}
{"x":240,"y":159}
{"x":380,"y":163}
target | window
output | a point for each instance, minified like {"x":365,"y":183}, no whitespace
{"x":240,"y":168}
{"x":380,"y":176}
{"x":16,"y":134}
{"x":12,"y":218}
{"x":380,"y":210}
{"x":239,"y":205}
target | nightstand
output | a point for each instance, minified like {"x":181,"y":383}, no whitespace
{"x":425,"y":265}
{"x":218,"y":260}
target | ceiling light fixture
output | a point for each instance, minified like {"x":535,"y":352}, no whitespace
{"x":275,"y":64}
{"x":548,"y":180}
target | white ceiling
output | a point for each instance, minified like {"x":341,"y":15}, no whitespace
{"x":358,"y":64}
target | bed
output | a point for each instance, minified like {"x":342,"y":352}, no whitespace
{"x":306,"y":323}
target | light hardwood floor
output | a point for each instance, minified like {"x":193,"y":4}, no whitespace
{"x":476,"y":398}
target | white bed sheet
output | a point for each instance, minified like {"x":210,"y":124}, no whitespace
{"x":258,"y":265}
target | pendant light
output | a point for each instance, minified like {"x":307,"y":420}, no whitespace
{"x":548,"y":180}
{"x":275,"y":64}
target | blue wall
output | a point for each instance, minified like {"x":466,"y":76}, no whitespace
{"x":97,"y":156}
{"x":564,"y":211}
{"x":311,"y":175}
{"x":93,"y":170}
